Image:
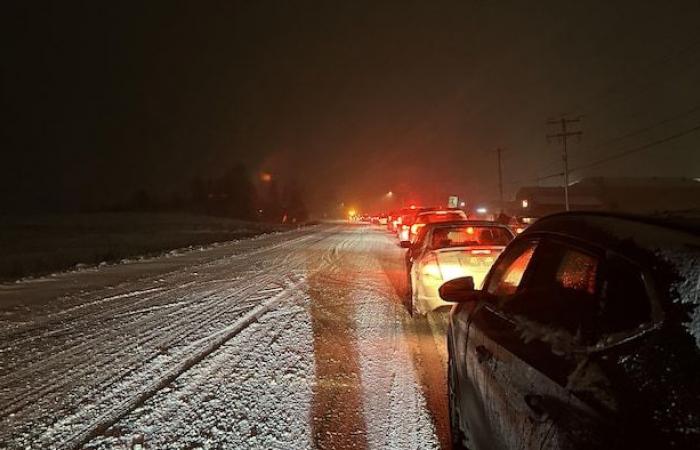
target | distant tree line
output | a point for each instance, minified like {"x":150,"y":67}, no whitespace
{"x":233,"y":194}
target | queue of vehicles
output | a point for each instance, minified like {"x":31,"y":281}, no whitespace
{"x":582,"y":332}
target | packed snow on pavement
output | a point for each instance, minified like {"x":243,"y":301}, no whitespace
{"x":298,"y":340}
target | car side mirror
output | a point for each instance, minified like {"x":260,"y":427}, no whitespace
{"x":405,"y":244}
{"x":459,"y":290}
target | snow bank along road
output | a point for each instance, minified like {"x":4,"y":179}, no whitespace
{"x":291,"y":340}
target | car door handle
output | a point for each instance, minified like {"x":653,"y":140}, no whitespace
{"x":483,"y":354}
{"x":536,"y":405}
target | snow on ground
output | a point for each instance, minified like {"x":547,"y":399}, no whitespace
{"x":393,"y":405}
{"x":254,"y":392}
{"x":291,"y":343}
{"x":29,"y":242}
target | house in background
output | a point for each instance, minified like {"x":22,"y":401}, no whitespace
{"x":626,"y":195}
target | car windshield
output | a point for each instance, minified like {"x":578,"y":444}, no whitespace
{"x":465,"y":236}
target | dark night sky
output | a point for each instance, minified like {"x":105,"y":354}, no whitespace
{"x":350,"y":98}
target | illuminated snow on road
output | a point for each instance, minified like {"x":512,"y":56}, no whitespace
{"x":295,"y":340}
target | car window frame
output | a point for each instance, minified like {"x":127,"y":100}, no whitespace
{"x":530,"y":239}
{"x":608,"y":340}
{"x":656,"y":311}
{"x":530,"y":272}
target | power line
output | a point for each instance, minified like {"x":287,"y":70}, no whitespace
{"x":639,"y":131}
{"x":605,"y":143}
{"x":624,"y":153}
{"x":638,"y":149}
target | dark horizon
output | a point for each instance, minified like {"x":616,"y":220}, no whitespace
{"x":349,"y":100}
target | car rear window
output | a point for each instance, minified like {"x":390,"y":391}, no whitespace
{"x":470,"y":236}
{"x":443,"y":216}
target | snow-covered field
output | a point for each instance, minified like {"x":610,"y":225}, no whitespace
{"x":39,"y":244}
{"x":290,"y":341}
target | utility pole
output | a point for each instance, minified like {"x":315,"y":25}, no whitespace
{"x":500,"y":180}
{"x":565,"y":157}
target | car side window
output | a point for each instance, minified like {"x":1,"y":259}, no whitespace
{"x":508,"y":273}
{"x":421,"y":238}
{"x":562,"y":292}
{"x":625,"y":302}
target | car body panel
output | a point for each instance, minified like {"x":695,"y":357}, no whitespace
{"x":603,"y":395}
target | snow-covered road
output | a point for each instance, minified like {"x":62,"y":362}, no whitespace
{"x":291,"y":340}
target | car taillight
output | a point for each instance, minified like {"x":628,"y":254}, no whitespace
{"x":431,"y":268}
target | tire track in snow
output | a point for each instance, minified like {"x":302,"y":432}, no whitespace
{"x":337,"y":420}
{"x":286,"y":261}
{"x":395,"y":408}
{"x":61,"y":309}
{"x":254,"y":392}
{"x":194,"y":357}
{"x":107,"y":316}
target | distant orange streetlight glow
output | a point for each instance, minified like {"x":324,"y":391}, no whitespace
{"x":265,"y":177}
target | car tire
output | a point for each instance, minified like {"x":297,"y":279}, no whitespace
{"x":457,"y":435}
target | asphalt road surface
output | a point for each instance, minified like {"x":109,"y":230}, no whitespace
{"x":289,"y":340}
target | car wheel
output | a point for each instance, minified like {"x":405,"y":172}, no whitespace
{"x":458,"y":436}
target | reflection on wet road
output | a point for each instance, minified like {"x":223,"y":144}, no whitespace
{"x":380,"y":374}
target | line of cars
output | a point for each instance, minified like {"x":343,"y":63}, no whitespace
{"x":583,"y":334}
{"x":443,"y":244}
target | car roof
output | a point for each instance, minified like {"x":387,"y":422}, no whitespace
{"x":439,"y":211}
{"x":618,"y":231}
{"x":466,"y":223}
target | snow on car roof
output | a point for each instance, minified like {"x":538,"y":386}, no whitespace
{"x":647,"y":232}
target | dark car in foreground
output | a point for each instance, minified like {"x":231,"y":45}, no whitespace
{"x":585,"y":335}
